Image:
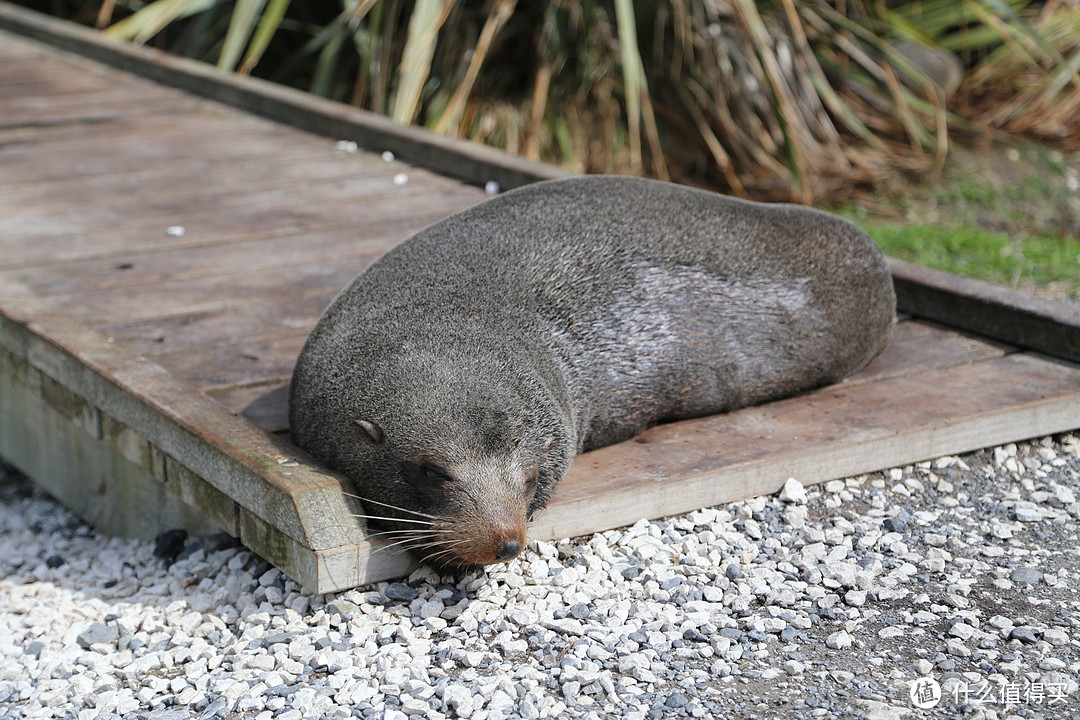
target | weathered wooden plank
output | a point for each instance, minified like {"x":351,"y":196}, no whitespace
{"x":258,"y":471}
{"x":105,"y":477}
{"x":123,"y":196}
{"x":457,"y":158}
{"x":918,"y":347}
{"x":329,"y":570}
{"x":190,"y":295}
{"x":152,"y":266}
{"x":177,"y":121}
{"x":229,"y":324}
{"x":836,"y":432}
{"x":42,"y":71}
{"x":1049,"y":326}
{"x":32,"y":106}
{"x":106,"y":481}
{"x":246,"y":363}
{"x":127,"y":152}
{"x":380,"y":204}
{"x":266,"y":405}
{"x":21,"y":49}
{"x":55,"y":92}
{"x":324,"y":180}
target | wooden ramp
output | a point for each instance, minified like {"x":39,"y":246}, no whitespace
{"x":163,"y":257}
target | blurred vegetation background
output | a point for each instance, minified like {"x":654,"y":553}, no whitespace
{"x":812,"y":101}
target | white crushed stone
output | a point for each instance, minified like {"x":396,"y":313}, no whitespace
{"x":826,"y":601}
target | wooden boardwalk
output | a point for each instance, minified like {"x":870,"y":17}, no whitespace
{"x":163,"y":257}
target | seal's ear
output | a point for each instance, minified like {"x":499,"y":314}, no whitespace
{"x":371,"y":430}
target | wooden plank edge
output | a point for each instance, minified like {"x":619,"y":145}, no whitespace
{"x":327,"y":570}
{"x":1049,"y":326}
{"x":115,"y":480}
{"x":106,"y":473}
{"x":263,"y":474}
{"x":462,"y":159}
{"x":746,"y":480}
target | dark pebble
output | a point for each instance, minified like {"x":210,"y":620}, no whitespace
{"x":733,"y":572}
{"x":787,"y":635}
{"x":692,"y":635}
{"x":98,"y":633}
{"x":580,"y":611}
{"x":34,"y":648}
{"x":639,"y":637}
{"x":401,"y":591}
{"x":676,"y":700}
{"x":281,"y":637}
{"x":894,"y":525}
{"x":631,"y":573}
{"x":169,"y":544}
{"x":1024,"y":635}
{"x":734,"y":634}
{"x":215,"y":709}
{"x":671,"y":583}
{"x":54,"y":561}
{"x":1026,"y":576}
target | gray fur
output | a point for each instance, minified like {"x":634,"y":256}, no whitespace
{"x":567,"y":315}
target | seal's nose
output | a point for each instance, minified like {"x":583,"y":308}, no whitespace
{"x":508,"y":549}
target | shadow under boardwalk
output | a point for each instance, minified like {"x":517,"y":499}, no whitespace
{"x":163,"y":257}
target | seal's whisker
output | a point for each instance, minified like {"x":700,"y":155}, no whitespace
{"x":414,"y":533}
{"x":392,"y":519}
{"x":393,"y":507}
{"x":446,"y":558}
{"x":408,"y":542}
{"x":441,"y":543}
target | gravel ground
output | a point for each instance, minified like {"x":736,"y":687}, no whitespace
{"x":830,"y":602}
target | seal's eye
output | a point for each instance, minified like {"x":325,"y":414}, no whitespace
{"x":426,"y":476}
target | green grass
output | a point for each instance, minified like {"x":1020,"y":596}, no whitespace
{"x":978,"y":253}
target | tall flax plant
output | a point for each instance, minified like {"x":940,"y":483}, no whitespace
{"x":794,"y":99}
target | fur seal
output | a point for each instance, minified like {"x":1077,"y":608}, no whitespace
{"x":455,"y":379}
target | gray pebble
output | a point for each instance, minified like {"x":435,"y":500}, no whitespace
{"x":401,"y":591}
{"x":98,"y":633}
{"x":1026,"y":575}
{"x":1024,"y":635}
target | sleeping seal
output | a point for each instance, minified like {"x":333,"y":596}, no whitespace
{"x":456,"y":378}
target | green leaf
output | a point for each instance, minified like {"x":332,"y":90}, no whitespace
{"x":245,"y":15}
{"x":427,"y":18}
{"x":268,"y":27}
{"x":152,"y":19}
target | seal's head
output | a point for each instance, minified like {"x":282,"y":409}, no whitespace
{"x":463,"y":501}
{"x":450,"y":463}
